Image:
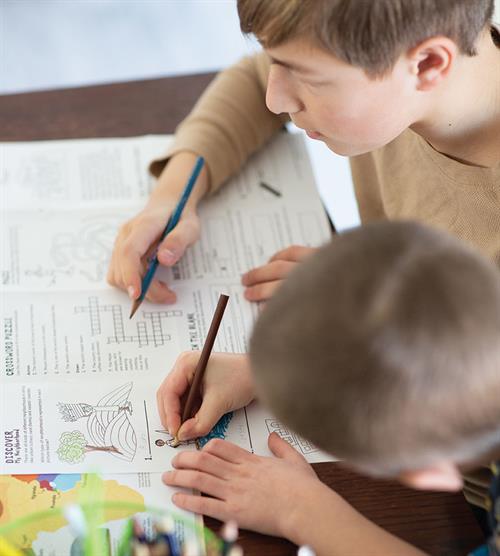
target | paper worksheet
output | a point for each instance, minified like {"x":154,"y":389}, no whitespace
{"x":63,"y":326}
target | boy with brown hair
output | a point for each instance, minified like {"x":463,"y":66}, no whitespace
{"x":383,"y":350}
{"x":409,"y":89}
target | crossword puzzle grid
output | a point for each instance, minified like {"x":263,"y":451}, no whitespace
{"x":149,"y":331}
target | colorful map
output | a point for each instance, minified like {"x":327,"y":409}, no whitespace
{"x":24,"y":494}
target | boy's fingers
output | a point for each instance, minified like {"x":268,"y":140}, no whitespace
{"x":130,"y":270}
{"x":275,"y":270}
{"x":202,"y":505}
{"x":191,"y":478}
{"x":262,"y":292}
{"x":175,"y":244}
{"x":159,"y":292}
{"x":203,"y":461}
{"x":294,"y":253}
{"x":281,"y":449}
{"x":168,"y":395}
{"x":161,"y":409}
{"x":227,"y":450}
{"x":203,"y":422}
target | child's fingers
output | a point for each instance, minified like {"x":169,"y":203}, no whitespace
{"x":190,"y":478}
{"x":173,"y":387}
{"x":159,"y":292}
{"x":281,"y":449}
{"x":182,"y":236}
{"x":294,"y":253}
{"x":262,"y":292}
{"x":227,"y":451}
{"x":203,"y":461}
{"x":202,"y":505}
{"x":204,"y":420}
{"x":275,"y":270}
{"x":130,"y":269}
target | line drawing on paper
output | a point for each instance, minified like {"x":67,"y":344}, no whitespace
{"x":296,"y":441}
{"x":88,"y":247}
{"x":108,"y":427}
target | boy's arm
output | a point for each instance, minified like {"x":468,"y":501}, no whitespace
{"x":277,"y":496}
{"x":229,"y":122}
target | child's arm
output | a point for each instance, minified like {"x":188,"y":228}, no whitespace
{"x":136,"y":236}
{"x":277,"y":496}
{"x":228,"y":123}
{"x":227,"y":386}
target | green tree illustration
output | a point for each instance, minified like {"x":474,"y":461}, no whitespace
{"x":73,"y":447}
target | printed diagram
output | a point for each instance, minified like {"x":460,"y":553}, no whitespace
{"x":149,"y":332}
{"x":81,"y":255}
{"x":88,"y":247}
{"x":109,"y":428}
{"x":296,"y":441}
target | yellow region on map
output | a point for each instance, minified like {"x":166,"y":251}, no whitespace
{"x":21,"y":495}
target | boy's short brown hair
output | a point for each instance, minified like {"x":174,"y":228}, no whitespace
{"x":370,"y":34}
{"x":384,"y":349}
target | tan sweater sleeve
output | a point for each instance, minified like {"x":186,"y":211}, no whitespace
{"x":229,"y":122}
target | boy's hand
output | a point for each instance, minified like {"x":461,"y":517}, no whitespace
{"x":260,"y":493}
{"x":133,"y":245}
{"x":276,"y":496}
{"x":263,"y":281}
{"x":137,"y":238}
{"x":227,"y":386}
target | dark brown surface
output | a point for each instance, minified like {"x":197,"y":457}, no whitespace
{"x":441,"y":524}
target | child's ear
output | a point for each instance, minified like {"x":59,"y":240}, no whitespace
{"x":441,"y":476}
{"x":431,"y":61}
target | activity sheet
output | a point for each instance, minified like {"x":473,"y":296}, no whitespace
{"x":79,"y":377}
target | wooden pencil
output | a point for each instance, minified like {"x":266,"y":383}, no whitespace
{"x":194,"y":390}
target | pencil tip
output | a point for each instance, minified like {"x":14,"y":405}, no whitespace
{"x":135,"y":306}
{"x":175,"y":442}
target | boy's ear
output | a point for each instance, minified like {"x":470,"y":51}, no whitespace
{"x":431,"y":61}
{"x":441,"y":476}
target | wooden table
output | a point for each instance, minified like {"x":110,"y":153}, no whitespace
{"x":439,"y":523}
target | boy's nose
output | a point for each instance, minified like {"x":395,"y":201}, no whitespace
{"x":280,"y":97}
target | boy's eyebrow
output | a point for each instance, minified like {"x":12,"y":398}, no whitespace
{"x":290,"y":66}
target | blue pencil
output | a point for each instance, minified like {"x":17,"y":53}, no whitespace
{"x":171,"y":224}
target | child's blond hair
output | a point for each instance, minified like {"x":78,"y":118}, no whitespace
{"x":370,"y":34}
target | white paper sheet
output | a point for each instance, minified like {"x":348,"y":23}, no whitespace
{"x":61,"y":323}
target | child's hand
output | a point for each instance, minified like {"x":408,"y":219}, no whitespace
{"x":137,"y":237}
{"x":276,"y":496}
{"x":263,"y":281}
{"x":227,"y":386}
{"x":260,"y":493}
